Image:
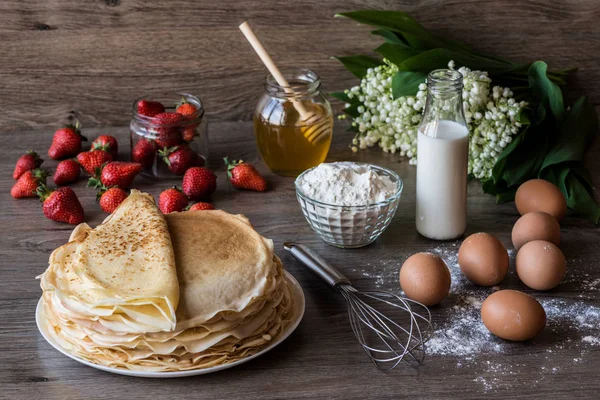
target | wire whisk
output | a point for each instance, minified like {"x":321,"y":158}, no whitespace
{"x":386,"y":341}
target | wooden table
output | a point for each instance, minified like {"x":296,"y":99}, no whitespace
{"x":321,"y":360}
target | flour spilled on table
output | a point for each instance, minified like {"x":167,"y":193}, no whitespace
{"x":459,"y":332}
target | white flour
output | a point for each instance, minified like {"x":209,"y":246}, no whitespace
{"x":346,"y":184}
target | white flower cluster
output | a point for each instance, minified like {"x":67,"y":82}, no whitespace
{"x":393,"y":123}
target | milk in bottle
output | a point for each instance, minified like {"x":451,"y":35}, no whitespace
{"x":442,"y":157}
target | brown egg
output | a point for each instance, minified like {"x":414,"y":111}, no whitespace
{"x":483,"y":259}
{"x":513,"y":315}
{"x":540,"y":195}
{"x":425,"y":278}
{"x":541,"y":265}
{"x":535,"y":226}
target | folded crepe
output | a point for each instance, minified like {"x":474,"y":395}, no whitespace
{"x":233,"y":299}
{"x":120,"y":275}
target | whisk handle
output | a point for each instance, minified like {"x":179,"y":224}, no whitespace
{"x":317,"y":264}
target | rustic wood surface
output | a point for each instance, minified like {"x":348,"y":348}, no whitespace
{"x":93,"y":58}
{"x":321,"y":360}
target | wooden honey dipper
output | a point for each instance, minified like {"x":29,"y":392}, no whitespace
{"x":316,"y":126}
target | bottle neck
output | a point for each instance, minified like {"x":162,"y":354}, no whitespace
{"x":444,"y":97}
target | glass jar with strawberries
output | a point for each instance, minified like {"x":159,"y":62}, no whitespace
{"x":169,"y":134}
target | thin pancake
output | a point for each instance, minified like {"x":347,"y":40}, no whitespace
{"x":123,"y":270}
{"x":223,"y":264}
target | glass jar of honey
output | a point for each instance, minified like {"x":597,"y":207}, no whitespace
{"x":293,"y":125}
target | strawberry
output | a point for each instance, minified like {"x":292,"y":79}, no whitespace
{"x":200,"y":207}
{"x":144,"y":153}
{"x":189,"y":111}
{"x":116,"y":173}
{"x":180,"y":158}
{"x":189,"y":133}
{"x":186,"y":109}
{"x":244,"y":176}
{"x":106,"y":143}
{"x":199,"y":183}
{"x":172,"y":200}
{"x":28,"y":183}
{"x":67,"y":171}
{"x":91,"y":160}
{"x":111,"y":198}
{"x":168,"y":132}
{"x":66,"y":142}
{"x":27,"y":162}
{"x":149,"y":108}
{"x":61,"y":205}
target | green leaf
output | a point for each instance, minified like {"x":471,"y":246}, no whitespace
{"x":548,"y":92}
{"x":523,"y":116}
{"x":359,"y":64}
{"x":395,"y":53}
{"x":406,"y":27}
{"x":498,"y":168}
{"x":576,"y":134}
{"x":490,"y":187}
{"x":390,"y":37}
{"x":422,"y":43}
{"x":406,"y":83}
{"x":525,"y":161}
{"x":439,"y":58}
{"x":342,"y":96}
{"x":580,"y":199}
{"x":352,"y":110}
{"x":505,"y":197}
{"x":397,"y":21}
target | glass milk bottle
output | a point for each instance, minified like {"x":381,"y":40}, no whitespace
{"x":442,"y":157}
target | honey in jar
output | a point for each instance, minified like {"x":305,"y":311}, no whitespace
{"x":288,"y":140}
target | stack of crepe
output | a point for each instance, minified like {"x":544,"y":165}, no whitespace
{"x":149,"y":292}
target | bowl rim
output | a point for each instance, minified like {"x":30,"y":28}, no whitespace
{"x":385,"y":202}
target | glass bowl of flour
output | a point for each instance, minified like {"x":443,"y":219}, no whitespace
{"x":348,"y":204}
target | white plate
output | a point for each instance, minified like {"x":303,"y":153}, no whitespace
{"x":297,"y":293}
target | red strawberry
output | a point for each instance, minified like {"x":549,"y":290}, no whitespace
{"x":180,"y":158}
{"x":61,"y":205}
{"x":27,"y":162}
{"x":91,"y":160}
{"x":172,"y":200}
{"x":186,"y":109}
{"x":66,"y":142}
{"x":67,"y":171}
{"x":200,"y":207}
{"x":111,"y":198}
{"x":106,"y":143}
{"x":189,"y":133}
{"x":116,"y":173}
{"x":144,"y":152}
{"x":244,"y":176}
{"x":28,"y":183}
{"x":189,"y":111}
{"x":199,"y":183}
{"x":149,"y":108}
{"x":168,"y":132}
